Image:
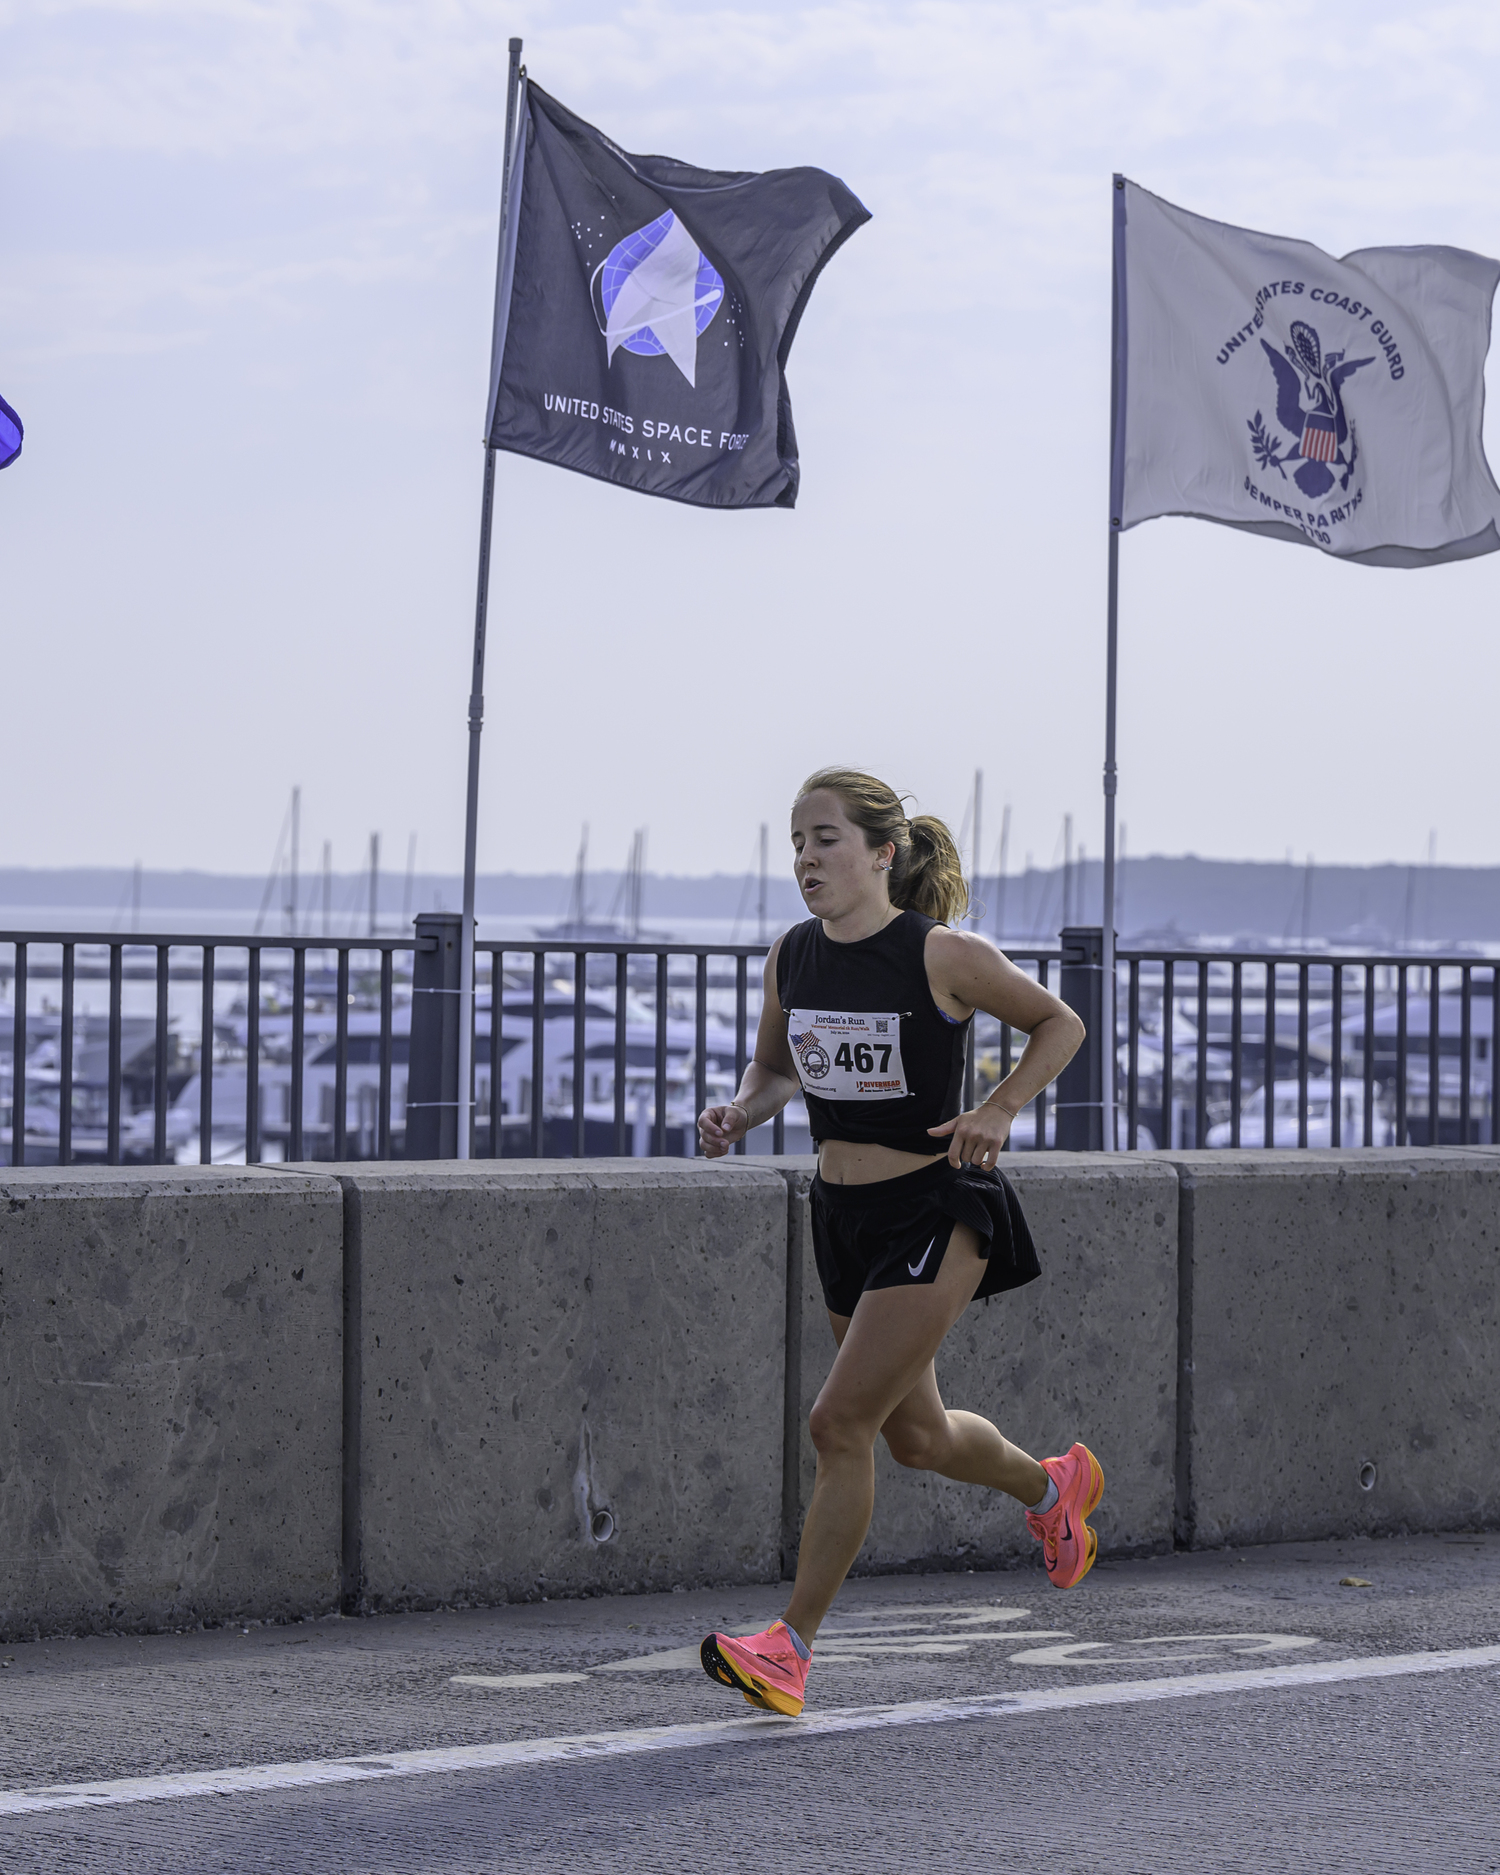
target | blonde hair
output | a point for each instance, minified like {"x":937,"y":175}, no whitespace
{"x":927,"y":875}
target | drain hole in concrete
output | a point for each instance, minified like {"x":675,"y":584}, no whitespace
{"x":602,"y":1524}
{"x":1367,"y":1476}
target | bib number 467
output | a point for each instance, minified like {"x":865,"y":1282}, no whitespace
{"x":860,"y":1059}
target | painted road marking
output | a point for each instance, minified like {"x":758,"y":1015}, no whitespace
{"x":955,"y":1619}
{"x":511,"y":1680}
{"x":871,"y":1642}
{"x":689,"y":1657}
{"x":518,"y":1753}
{"x":877,"y":1644}
{"x":839,"y":1649}
{"x":899,"y":1613}
{"x":1096,"y":1653}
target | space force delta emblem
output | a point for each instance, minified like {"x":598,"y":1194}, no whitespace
{"x":646,"y":309}
{"x":656,"y":293}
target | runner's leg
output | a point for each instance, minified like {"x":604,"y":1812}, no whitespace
{"x":886,"y":1351}
{"x":926,"y":1436}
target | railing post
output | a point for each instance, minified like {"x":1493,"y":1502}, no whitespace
{"x":432,"y":1077}
{"x":1080,"y":1087}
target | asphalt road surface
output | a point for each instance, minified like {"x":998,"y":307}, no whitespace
{"x":1239,"y":1710}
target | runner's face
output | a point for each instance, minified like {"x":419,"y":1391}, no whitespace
{"x":837,"y":871}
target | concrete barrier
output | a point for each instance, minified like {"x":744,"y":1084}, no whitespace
{"x":570,"y":1377}
{"x":1341,"y":1342}
{"x":563,"y":1377}
{"x":169,"y":1396}
{"x":1088,"y":1351}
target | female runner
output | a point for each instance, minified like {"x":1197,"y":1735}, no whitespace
{"x":867,"y":1011}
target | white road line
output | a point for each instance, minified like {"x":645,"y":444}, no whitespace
{"x":517,"y":1753}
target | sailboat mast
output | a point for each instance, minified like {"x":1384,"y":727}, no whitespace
{"x":580,"y":908}
{"x":411,"y":869}
{"x":291,"y":903}
{"x":1067,"y":917}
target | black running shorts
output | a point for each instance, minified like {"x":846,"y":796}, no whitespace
{"x":895,"y":1232}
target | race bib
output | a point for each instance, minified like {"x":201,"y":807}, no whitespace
{"x":847,"y":1057}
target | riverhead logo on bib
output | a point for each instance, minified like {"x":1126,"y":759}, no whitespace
{"x":847,"y":1056}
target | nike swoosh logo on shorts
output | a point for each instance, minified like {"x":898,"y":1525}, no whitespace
{"x":916,"y":1268}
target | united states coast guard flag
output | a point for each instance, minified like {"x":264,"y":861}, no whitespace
{"x":645,"y":310}
{"x":1273,"y":388}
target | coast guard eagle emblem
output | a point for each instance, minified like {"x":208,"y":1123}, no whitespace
{"x":1310,"y":406}
{"x":812,"y":1055}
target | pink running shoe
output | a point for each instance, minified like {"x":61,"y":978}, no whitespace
{"x":766,"y":1667}
{"x":1069,"y":1546}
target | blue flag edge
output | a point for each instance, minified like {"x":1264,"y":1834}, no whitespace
{"x":14,"y":417}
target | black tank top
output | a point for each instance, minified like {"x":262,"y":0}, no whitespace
{"x":879,"y":1062}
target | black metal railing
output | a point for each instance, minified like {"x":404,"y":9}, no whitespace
{"x":160,"y":1048}
{"x":1277,"y":1048}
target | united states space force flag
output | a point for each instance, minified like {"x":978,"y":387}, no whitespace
{"x":645,"y":310}
{"x":12,"y":432}
{"x":1335,"y":402}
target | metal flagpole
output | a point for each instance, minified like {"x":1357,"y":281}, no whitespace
{"x":1118,"y":336}
{"x":476,"y":698}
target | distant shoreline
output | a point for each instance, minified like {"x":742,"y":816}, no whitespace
{"x":1173,"y":901}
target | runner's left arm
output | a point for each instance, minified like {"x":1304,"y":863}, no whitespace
{"x":966,"y":972}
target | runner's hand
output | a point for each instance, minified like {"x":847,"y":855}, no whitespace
{"x":720,"y":1127}
{"x":977,"y":1136}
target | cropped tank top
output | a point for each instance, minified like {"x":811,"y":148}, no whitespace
{"x":879,"y":1062}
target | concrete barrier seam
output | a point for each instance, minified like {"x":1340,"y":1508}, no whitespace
{"x":350,"y":1552}
{"x":1183,"y":1459}
{"x":791,"y":1439}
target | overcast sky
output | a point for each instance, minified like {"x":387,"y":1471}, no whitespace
{"x":245,"y":282}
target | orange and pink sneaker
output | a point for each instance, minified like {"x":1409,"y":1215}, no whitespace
{"x":767,"y":1668}
{"x":1069,"y":1546}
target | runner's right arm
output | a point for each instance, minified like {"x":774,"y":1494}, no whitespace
{"x":769,"y":1082}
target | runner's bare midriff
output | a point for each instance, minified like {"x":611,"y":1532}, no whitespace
{"x":846,"y":1162}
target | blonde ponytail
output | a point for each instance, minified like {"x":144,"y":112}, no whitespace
{"x":927,"y":875}
{"x":932,"y":881}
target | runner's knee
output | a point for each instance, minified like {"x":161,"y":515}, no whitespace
{"x":835,"y":1429}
